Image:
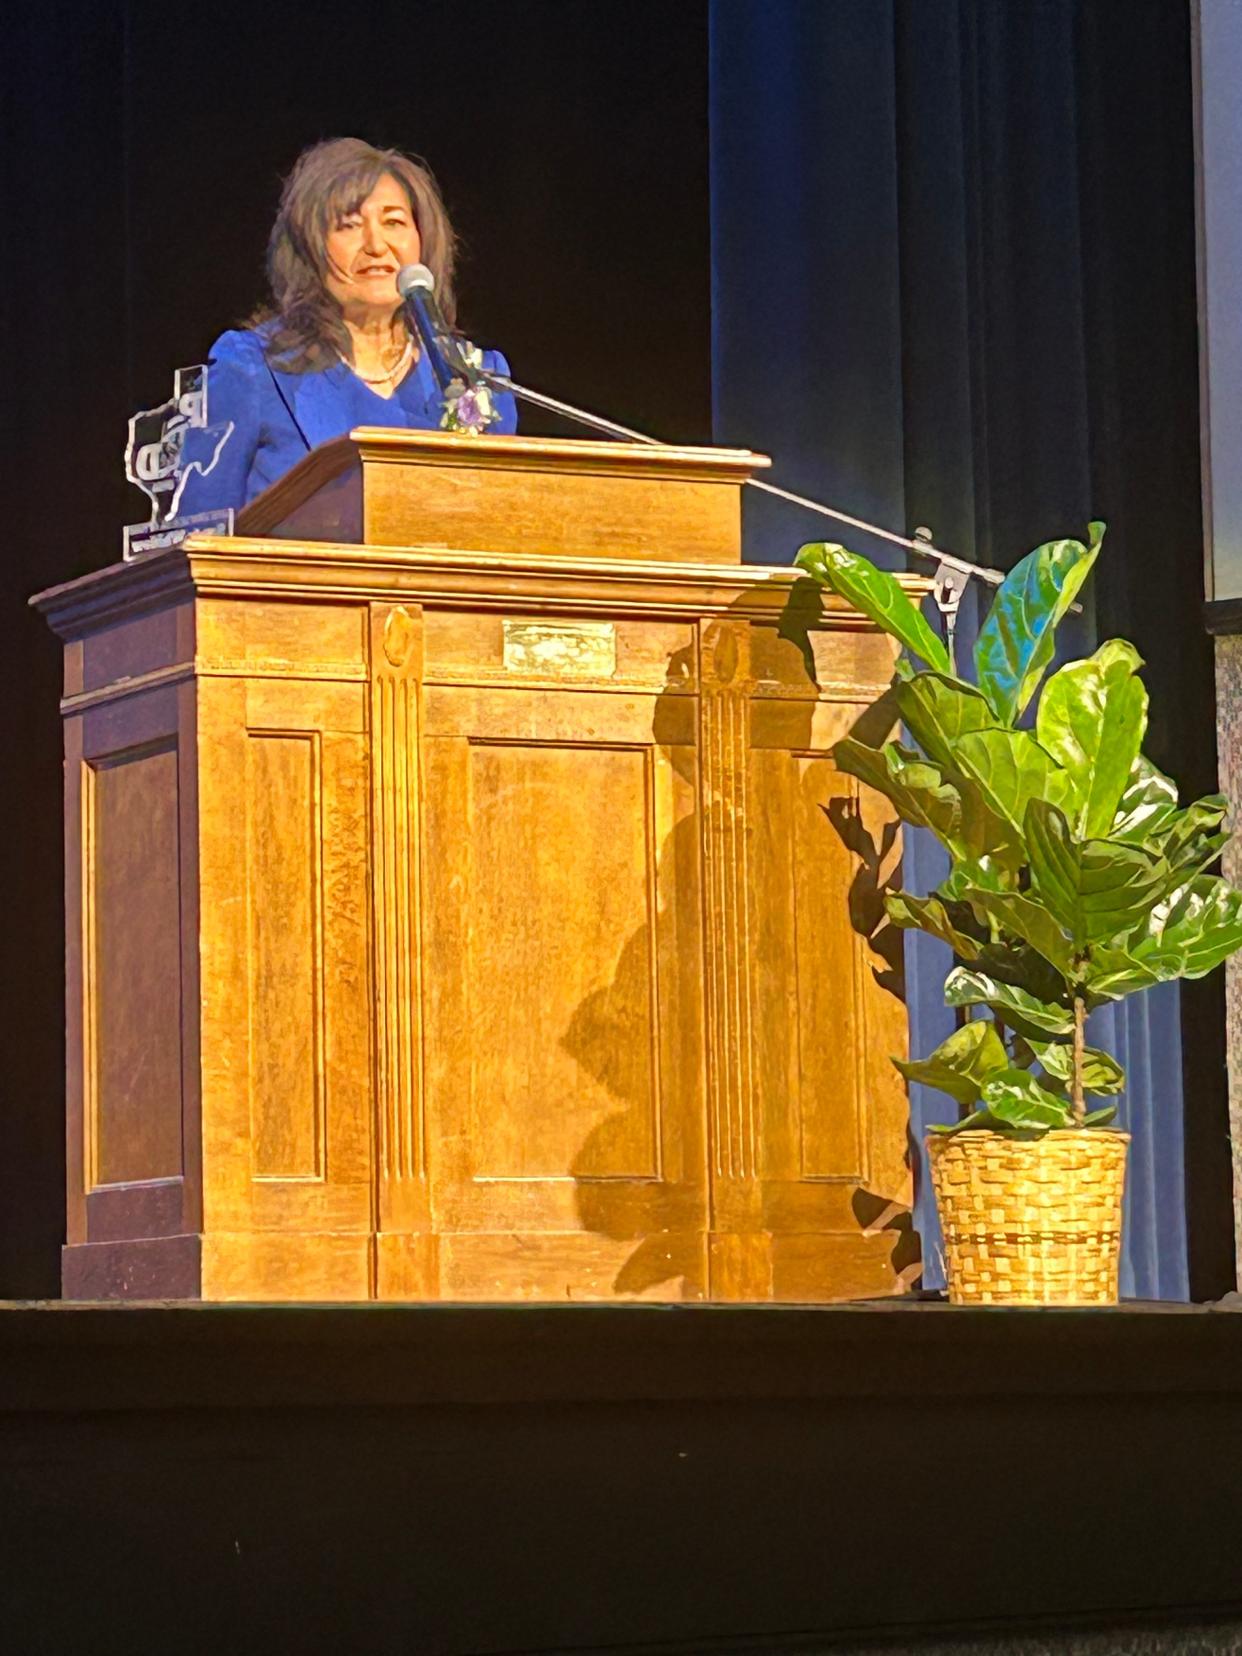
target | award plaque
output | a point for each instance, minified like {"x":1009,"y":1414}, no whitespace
{"x":153,"y":464}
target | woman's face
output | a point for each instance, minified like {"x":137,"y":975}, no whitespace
{"x":365,"y":249}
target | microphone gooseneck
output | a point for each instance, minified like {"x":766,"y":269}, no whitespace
{"x":416,"y":285}
{"x":951,"y":576}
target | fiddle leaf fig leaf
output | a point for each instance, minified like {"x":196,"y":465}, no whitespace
{"x":1191,"y":842}
{"x":1031,"y":921}
{"x":961,"y":1065}
{"x":976,"y":1119}
{"x":929,"y":914}
{"x":937,"y":710}
{"x":1023,"y":967}
{"x":990,"y":840}
{"x":1197,"y":855}
{"x":1191,"y":931}
{"x":1148,"y":815}
{"x":917,"y":790}
{"x":971,"y":873}
{"x":1112,"y":973}
{"x":1022,"y":1011}
{"x":1015,"y":1099}
{"x":1188,"y":934}
{"x":1148,"y":805}
{"x":1100,"y":1118}
{"x":1203,"y":817}
{"x":1010,"y":769}
{"x":1092,"y":718}
{"x":1097,"y":889}
{"x":1101,"y":1072}
{"x":1015,"y":643}
{"x":878,"y":595}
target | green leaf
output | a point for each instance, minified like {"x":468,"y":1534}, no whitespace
{"x":1112,"y":973}
{"x":1015,"y":643}
{"x":1100,"y":1118}
{"x":988,"y":838}
{"x":1197,"y":855}
{"x":1148,"y":806}
{"x":1191,"y":843}
{"x":1021,"y":1010}
{"x":877,"y":594}
{"x":976,"y":1119}
{"x":1010,"y":769}
{"x":1101,"y":1073}
{"x":1097,"y":889}
{"x":1148,"y":815}
{"x":937,"y":710}
{"x":1015,"y":1099}
{"x":1203,"y":817}
{"x":985,"y":873}
{"x":1030,"y":921}
{"x":1024,"y":968}
{"x":915,"y":788}
{"x":961,"y":1065}
{"x":929,"y":914}
{"x":1092,"y":719}
{"x":1189,"y":934}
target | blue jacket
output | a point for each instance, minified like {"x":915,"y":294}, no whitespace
{"x":261,"y":421}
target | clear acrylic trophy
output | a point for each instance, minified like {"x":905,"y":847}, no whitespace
{"x":153,"y":464}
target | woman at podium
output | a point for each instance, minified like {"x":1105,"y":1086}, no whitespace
{"x":332,"y":350}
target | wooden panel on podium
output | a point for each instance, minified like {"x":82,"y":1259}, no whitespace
{"x":476,"y":916}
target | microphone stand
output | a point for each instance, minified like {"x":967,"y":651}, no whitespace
{"x":952,"y":574}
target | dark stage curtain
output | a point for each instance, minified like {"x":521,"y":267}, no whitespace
{"x":953,"y":284}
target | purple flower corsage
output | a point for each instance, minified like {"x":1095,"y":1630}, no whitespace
{"x":469,"y":408}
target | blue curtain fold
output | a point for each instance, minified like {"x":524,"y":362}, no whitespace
{"x":915,"y":314}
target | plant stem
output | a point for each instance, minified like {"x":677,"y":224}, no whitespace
{"x":1076,"y":1086}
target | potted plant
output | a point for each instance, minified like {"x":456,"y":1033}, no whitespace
{"x":1075,"y":878}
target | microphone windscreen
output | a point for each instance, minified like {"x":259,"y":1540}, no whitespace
{"x":415,"y":278}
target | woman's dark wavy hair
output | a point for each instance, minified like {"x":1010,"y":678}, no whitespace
{"x":302,"y":326}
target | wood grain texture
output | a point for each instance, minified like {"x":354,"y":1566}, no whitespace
{"x":513,"y":495}
{"x":132,"y":950}
{"x":522,"y":938}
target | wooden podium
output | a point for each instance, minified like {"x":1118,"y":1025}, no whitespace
{"x":461,"y":902}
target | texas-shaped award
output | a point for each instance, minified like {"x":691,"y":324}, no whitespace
{"x":153,"y":464}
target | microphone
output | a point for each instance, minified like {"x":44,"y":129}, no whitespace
{"x":417,"y":287}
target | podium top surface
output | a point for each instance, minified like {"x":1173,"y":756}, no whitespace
{"x":519,"y":495}
{"x":558,"y":455}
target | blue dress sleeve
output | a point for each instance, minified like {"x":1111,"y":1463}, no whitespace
{"x":216,"y":459}
{"x":506,"y":404}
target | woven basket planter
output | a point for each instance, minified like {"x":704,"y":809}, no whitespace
{"x":1030,"y":1221}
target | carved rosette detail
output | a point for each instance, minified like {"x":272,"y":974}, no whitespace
{"x":400,"y":630}
{"x":724,"y":742}
{"x":396,"y":666}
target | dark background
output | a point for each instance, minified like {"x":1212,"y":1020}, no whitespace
{"x":142,"y":149}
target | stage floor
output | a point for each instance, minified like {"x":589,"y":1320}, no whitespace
{"x":161,"y":1355}
{"x":533,"y":1478}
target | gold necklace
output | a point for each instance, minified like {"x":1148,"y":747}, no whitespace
{"x":393,"y":372}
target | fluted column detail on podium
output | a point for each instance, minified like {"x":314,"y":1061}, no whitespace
{"x":724,"y":742}
{"x":396,"y":672}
